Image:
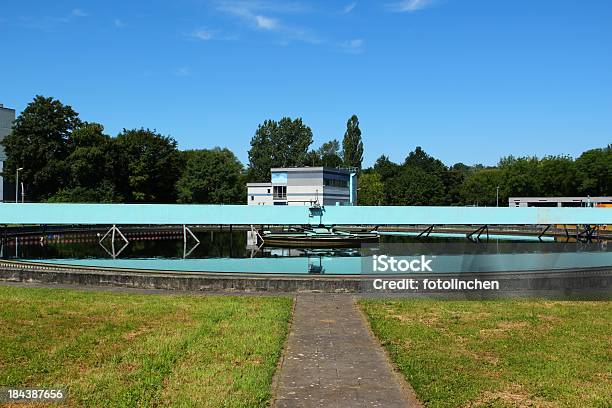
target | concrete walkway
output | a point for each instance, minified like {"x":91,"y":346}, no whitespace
{"x":332,"y":360}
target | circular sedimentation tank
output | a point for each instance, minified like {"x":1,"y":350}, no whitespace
{"x":221,"y":261}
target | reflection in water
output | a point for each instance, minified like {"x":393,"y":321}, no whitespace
{"x":227,"y":252}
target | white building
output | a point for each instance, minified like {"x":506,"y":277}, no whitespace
{"x":7,"y":117}
{"x":305,"y":186}
{"x":559,"y":201}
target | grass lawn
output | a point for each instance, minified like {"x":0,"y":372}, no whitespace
{"x":114,"y":349}
{"x":511,"y":353}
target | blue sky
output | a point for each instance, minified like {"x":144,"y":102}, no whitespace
{"x":468,"y":80}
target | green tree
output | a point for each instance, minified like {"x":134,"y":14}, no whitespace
{"x":352,"y":145}
{"x":371,"y":189}
{"x":313,"y":159}
{"x":594,"y":172}
{"x":556,"y":177}
{"x":40,"y":141}
{"x":480,"y":188}
{"x":519,"y":176}
{"x":278,"y":144}
{"x":385,"y":167}
{"x":415,"y":186}
{"x":211,"y":177}
{"x":330,"y":154}
{"x":453,"y":181}
{"x":419,"y":159}
{"x":464,"y":169}
{"x":92,"y":168}
{"x":387,"y":170}
{"x":104,"y":193}
{"x":150,"y":166}
{"x":327,"y":155}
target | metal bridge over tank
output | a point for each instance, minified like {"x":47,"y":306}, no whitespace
{"x":183,"y":214}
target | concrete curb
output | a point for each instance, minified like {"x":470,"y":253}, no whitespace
{"x":572,"y":282}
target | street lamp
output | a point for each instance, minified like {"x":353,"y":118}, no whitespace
{"x":497,"y":197}
{"x":17,"y":185}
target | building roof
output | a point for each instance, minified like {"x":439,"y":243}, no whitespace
{"x":561,"y":199}
{"x":268,"y":184}
{"x":312,"y":169}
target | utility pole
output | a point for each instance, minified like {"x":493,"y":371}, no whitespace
{"x":17,"y":185}
{"x":497,"y":197}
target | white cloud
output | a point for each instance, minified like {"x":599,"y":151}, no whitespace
{"x":251,"y":7}
{"x":207,"y":34}
{"x":349,"y":7}
{"x":409,"y":5}
{"x":203,"y":34}
{"x":50,"y":23}
{"x":354,"y":46}
{"x":263,"y":15}
{"x":250,"y":11}
{"x":266,"y":23}
{"x":119,"y":23}
{"x":78,"y":13}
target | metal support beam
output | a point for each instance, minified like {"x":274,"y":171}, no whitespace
{"x":113,"y":231}
{"x":259,"y":241}
{"x":2,"y":240}
{"x":587,"y":233}
{"x":543,"y":232}
{"x":426,"y":232}
{"x":478,"y":231}
{"x":185,"y":231}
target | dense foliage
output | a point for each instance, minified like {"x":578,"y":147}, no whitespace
{"x":68,"y":160}
{"x":93,"y":168}
{"x":151,"y":166}
{"x":278,"y":144}
{"x":352,"y":145}
{"x":211,"y":176}
{"x":42,"y":137}
{"x":424,"y":180}
{"x":327,"y":155}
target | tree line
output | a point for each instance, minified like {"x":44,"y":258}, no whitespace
{"x":424,"y":180}
{"x":66,"y":159}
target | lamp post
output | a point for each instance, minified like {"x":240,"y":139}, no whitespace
{"x":17,"y":185}
{"x":497,"y":196}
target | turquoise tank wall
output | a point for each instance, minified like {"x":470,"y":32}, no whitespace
{"x":136,"y":214}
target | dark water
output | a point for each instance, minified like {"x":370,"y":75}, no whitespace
{"x":224,"y":251}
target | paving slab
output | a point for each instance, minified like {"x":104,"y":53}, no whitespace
{"x":332,"y":360}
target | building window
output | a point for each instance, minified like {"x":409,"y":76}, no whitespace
{"x":268,"y":191}
{"x":335,"y":183}
{"x":279,"y":192}
{"x":252,"y":198}
{"x":279,"y":178}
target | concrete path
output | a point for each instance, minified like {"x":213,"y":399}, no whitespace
{"x":332,"y":360}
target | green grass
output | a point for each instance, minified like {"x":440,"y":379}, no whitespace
{"x":500,"y":353}
{"x":112,"y":349}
